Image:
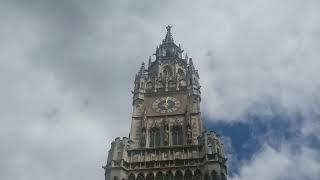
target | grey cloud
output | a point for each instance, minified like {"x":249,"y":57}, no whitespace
{"x":67,"y":68}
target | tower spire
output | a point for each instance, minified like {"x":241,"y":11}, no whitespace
{"x":168,"y":39}
{"x":149,"y":63}
{"x":142,"y":68}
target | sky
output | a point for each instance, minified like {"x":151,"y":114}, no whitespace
{"x":67,"y":69}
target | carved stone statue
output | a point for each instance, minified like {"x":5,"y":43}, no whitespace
{"x":155,"y":79}
{"x":166,"y":135}
{"x":159,"y":83}
{"x":143,"y":137}
{"x":167,"y":83}
{"x":189,"y":135}
{"x":144,"y":125}
{"x":166,"y":132}
{"x":178,"y":82}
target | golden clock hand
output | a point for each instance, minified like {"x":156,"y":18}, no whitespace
{"x":166,"y":103}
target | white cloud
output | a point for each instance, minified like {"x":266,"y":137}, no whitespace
{"x":67,"y":68}
{"x":285,"y":163}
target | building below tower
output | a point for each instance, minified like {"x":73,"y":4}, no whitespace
{"x":167,"y":138}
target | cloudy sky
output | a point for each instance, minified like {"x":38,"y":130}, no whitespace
{"x":67,"y":69}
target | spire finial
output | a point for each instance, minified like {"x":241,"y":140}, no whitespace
{"x":168,"y":38}
{"x":191,"y":64}
{"x":142,"y":68}
{"x":149,"y":64}
{"x":168,"y":28}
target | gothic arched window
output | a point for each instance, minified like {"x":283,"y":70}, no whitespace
{"x":197,"y":175}
{"x":159,"y":176}
{"x":149,"y":85}
{"x":140,"y":176}
{"x":177,"y":135}
{"x":150,"y":176}
{"x":206,"y":177}
{"x":214,"y":175}
{"x":168,"y":176}
{"x":167,"y":71}
{"x":155,"y":137}
{"x":223,"y":176}
{"x":178,"y":175}
{"x":180,"y":73}
{"x":131,"y":177}
{"x":188,"y":175}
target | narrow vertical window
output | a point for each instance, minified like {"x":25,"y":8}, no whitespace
{"x":177,"y":136}
{"x":151,"y":138}
{"x":155,"y":137}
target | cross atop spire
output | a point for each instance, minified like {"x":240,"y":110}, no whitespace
{"x":168,"y":39}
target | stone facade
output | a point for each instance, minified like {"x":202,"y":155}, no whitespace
{"x":167,"y":139}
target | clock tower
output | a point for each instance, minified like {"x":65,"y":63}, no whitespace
{"x":167,"y":139}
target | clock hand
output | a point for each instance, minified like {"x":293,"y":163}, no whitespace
{"x":166,"y":103}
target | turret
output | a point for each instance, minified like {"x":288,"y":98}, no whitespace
{"x":193,"y":79}
{"x":168,"y":39}
{"x":139,"y":87}
{"x":118,"y":152}
{"x":168,"y":49}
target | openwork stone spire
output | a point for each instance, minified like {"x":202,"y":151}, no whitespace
{"x":168,"y":39}
{"x":142,"y":68}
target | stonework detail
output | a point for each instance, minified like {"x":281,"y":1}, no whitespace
{"x":167,"y":139}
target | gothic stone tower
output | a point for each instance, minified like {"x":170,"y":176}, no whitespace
{"x":167,"y":139}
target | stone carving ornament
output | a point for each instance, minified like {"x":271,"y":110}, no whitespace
{"x":143,"y":137}
{"x":166,"y":132}
{"x":189,"y":135}
{"x":143,"y":130}
{"x":177,"y":122}
{"x":159,"y":83}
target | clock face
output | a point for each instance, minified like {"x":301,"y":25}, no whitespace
{"x":166,"y":104}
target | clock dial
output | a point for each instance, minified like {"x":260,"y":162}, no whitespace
{"x":166,"y":104}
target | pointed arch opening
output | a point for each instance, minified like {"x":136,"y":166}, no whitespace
{"x":197,"y":175}
{"x":188,"y":175}
{"x":150,"y":176}
{"x":214,"y":175}
{"x":140,"y":176}
{"x":155,"y":137}
{"x":131,"y":177}
{"x":180,"y":74}
{"x":177,"y":135}
{"x":168,"y":176}
{"x":159,"y":176}
{"x":223,"y":176}
{"x":167,"y":72}
{"x":206,"y":177}
{"x":178,"y":175}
